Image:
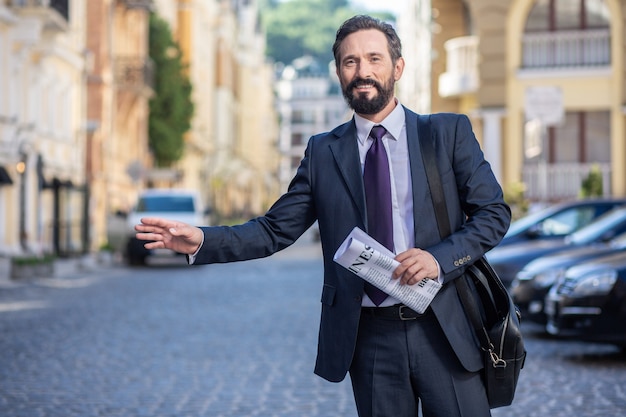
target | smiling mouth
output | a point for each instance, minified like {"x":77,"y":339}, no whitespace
{"x":364,"y":87}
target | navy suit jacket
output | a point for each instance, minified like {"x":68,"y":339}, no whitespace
{"x":328,"y":187}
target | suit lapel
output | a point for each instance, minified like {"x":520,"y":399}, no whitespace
{"x":346,"y":154}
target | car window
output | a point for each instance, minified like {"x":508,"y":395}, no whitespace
{"x":612,"y":222}
{"x":566,"y":222}
{"x":165,"y":204}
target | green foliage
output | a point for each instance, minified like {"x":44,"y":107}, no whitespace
{"x":33,"y":260}
{"x":514,"y":197}
{"x":171,"y":107}
{"x":296,"y":28}
{"x":591,"y":186}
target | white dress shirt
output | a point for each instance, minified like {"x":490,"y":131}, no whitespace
{"x":395,"y":142}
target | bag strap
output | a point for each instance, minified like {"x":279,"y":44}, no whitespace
{"x":427,"y":145}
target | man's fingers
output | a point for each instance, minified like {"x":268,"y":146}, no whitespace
{"x":149,"y":236}
{"x":415,"y":265}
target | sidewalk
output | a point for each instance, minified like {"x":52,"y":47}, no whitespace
{"x":62,"y":268}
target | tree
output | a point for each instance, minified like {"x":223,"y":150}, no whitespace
{"x":171,"y":107}
{"x":296,"y":28}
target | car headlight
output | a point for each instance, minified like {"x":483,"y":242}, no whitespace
{"x":599,"y":283}
{"x":548,"y":278}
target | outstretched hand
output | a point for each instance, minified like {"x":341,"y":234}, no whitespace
{"x":169,"y":234}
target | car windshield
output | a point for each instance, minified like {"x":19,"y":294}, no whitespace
{"x":554,"y":221}
{"x":527,"y":221}
{"x":165,"y":204}
{"x":599,"y":227}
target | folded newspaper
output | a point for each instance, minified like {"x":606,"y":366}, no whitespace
{"x":368,"y":259}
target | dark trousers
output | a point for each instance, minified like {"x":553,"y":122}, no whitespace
{"x":398,"y":364}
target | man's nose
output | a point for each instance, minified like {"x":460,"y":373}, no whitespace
{"x":364,"y":70}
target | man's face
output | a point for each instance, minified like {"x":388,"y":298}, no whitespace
{"x":366,"y":72}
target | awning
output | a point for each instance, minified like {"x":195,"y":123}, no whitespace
{"x":5,"y":179}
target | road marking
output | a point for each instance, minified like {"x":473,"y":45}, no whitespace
{"x":22,"y":305}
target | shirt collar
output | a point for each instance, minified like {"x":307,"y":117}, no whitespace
{"x":394,"y":123}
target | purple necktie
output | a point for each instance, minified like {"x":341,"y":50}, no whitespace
{"x":377,"y":182}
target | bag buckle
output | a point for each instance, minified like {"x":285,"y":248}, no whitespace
{"x":496,"y":361}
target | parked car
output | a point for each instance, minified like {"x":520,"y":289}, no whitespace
{"x":589,"y":302}
{"x":172,"y":204}
{"x":531,"y":285}
{"x":558,"y":220}
{"x":508,"y":260}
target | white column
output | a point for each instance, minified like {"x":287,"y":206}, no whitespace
{"x":492,"y":139}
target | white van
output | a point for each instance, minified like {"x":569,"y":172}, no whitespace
{"x":172,"y":204}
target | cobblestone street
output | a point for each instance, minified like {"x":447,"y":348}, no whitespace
{"x":232,"y":340}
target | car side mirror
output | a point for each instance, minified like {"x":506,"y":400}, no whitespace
{"x":534,"y":232}
{"x":608,"y":235}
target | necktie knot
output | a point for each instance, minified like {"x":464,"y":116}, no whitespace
{"x":378,"y":132}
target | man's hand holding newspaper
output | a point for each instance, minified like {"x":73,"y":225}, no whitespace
{"x":368,"y":259}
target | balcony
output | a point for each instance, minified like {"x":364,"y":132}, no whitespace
{"x":134,"y":74}
{"x":461,"y":76}
{"x":554,"y":182}
{"x":54,"y":13}
{"x":576,"y":49}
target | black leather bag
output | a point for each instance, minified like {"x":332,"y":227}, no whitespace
{"x":496,"y":322}
{"x":487,"y":303}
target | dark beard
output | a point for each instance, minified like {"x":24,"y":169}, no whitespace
{"x":361,"y":104}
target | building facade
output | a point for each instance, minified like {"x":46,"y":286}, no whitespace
{"x":309,"y":102}
{"x":118,"y":89}
{"x":42,"y":127}
{"x":230,"y":151}
{"x":543,"y":81}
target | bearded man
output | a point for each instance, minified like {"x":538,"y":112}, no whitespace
{"x":398,"y":360}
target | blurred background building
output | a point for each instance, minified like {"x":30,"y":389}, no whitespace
{"x":43,"y":72}
{"x":309,"y":101}
{"x":542,"y":81}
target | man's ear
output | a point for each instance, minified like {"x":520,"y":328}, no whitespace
{"x":398,"y":69}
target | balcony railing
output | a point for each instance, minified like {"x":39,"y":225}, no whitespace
{"x":553,"y":182}
{"x":55,"y":13}
{"x":567,"y":49}
{"x":61,"y":6}
{"x":461,"y":76}
{"x":138,"y":4}
{"x":134,"y":73}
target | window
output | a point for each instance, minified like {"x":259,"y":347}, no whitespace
{"x":566,"y":222}
{"x":554,"y":15}
{"x":584,"y":137}
{"x":295,"y":162}
{"x":297,"y":139}
{"x":166,"y":204}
